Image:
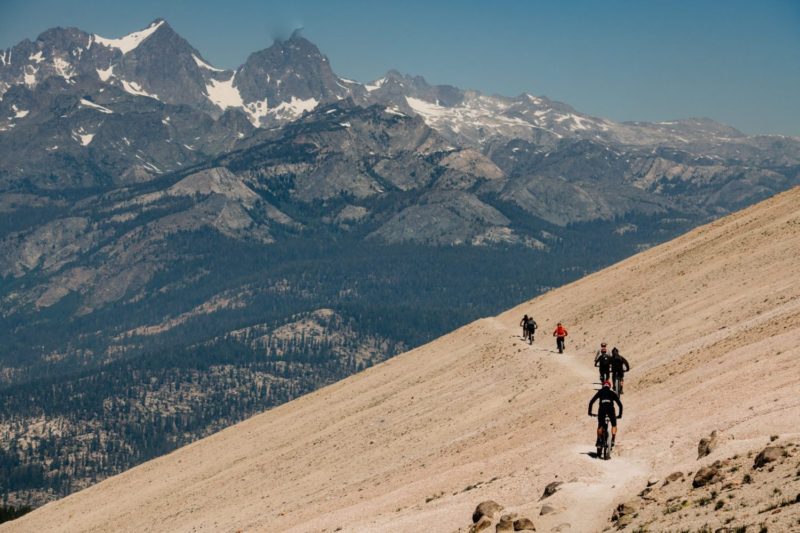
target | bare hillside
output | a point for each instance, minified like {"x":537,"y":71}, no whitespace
{"x":710,"y":323}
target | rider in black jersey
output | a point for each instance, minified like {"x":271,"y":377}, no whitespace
{"x":602,"y":360}
{"x":531,"y":328}
{"x":619,"y":365}
{"x":607,"y":398}
{"x":524,"y":324}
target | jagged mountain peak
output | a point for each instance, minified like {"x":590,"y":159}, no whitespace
{"x":64,"y":36}
{"x":131,"y":41}
{"x":288,"y":77}
{"x":285,"y":52}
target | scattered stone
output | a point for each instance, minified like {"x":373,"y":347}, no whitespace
{"x":487,"y":509}
{"x":506,"y":524}
{"x":551,"y":489}
{"x":707,"y":445}
{"x":484,"y":523}
{"x":652,"y":481}
{"x":646,"y":494}
{"x":547,"y":509}
{"x":624,"y":521}
{"x":524,"y":524}
{"x":731,"y":485}
{"x":707,"y":475}
{"x":625,"y":509}
{"x":675,"y":476}
{"x":769,"y":454}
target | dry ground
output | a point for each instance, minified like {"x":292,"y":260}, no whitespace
{"x":710,"y":323}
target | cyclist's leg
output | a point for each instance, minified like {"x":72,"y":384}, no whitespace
{"x":613,"y":417}
{"x":600,"y":424}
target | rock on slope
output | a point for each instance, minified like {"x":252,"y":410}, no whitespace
{"x":710,"y":323}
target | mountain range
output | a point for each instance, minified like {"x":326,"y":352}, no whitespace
{"x":184,"y":245}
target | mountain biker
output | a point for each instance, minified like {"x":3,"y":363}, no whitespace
{"x":619,"y":365}
{"x":559,"y":333}
{"x":607,"y":398}
{"x":524,"y":324}
{"x":530,"y":328}
{"x":602,"y":360}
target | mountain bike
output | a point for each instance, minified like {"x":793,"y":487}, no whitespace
{"x":560,"y":344}
{"x":603,"y":448}
{"x":530,"y":332}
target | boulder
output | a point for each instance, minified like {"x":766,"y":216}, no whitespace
{"x":550,"y":489}
{"x":524,"y":524}
{"x":625,"y":509}
{"x":675,"y":476}
{"x":646,"y":493}
{"x":707,"y":475}
{"x":487,"y":509}
{"x":506,"y":524}
{"x":564,"y":526}
{"x":769,"y":454}
{"x":652,"y":481}
{"x":707,"y":444}
{"x":484,"y":523}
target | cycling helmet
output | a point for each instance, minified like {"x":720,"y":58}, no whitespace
{"x":607,"y":383}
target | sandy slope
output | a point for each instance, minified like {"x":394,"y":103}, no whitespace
{"x":709,"y":321}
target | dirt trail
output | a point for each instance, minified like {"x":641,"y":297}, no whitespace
{"x":584,"y":502}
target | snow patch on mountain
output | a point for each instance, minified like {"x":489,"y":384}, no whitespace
{"x":477,"y":118}
{"x":256,"y":111}
{"x":106,"y":74}
{"x":134,"y":88}
{"x":394,"y":111}
{"x":30,"y":75}
{"x":63,"y":68}
{"x":83,"y":138}
{"x":375,"y":85}
{"x":37,"y":57}
{"x":223,"y":94}
{"x":294,"y":108}
{"x":92,"y":105}
{"x":131,"y":41}
{"x":202,"y":64}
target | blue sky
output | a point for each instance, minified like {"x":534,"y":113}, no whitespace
{"x":734,"y":61}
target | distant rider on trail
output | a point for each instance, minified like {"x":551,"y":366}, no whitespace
{"x":530,"y":329}
{"x":524,"y":324}
{"x":559,"y":333}
{"x":602,"y":360}
{"x":619,"y":365}
{"x":607,"y":399}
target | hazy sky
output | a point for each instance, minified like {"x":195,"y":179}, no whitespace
{"x":734,"y":61}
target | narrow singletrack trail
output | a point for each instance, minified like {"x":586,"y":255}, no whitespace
{"x":585,"y":502}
